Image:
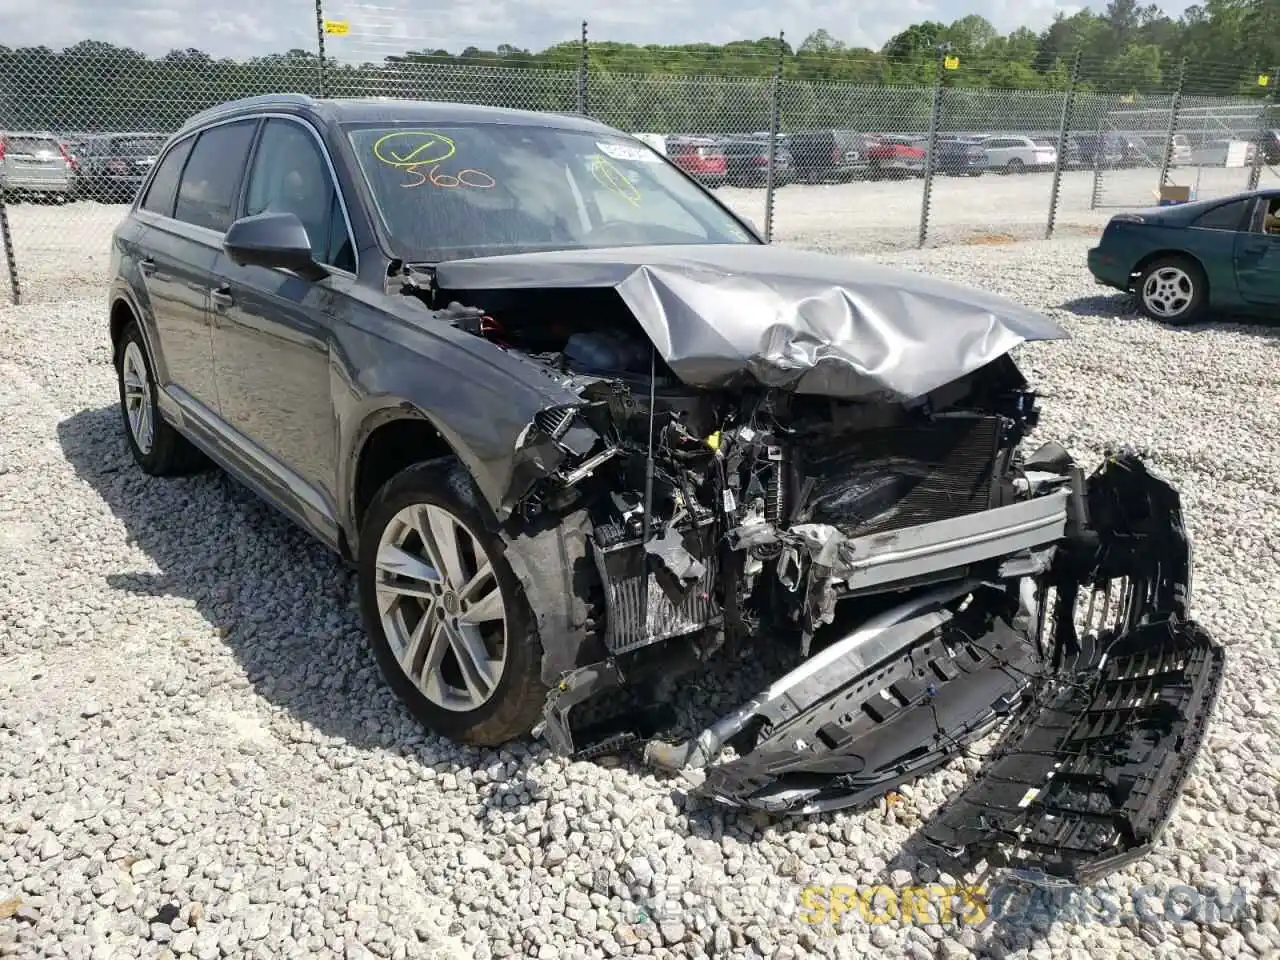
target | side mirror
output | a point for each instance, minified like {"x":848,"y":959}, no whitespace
{"x":273,"y":240}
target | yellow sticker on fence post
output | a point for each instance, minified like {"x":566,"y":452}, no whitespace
{"x":951,"y":63}
{"x":1264,"y":79}
{"x":337,"y":28}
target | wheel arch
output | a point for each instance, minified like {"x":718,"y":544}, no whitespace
{"x":121,"y":315}
{"x":390,"y":439}
{"x":124,"y":310}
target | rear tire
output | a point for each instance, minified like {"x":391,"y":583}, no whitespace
{"x":157,"y":447}
{"x":1014,"y":166}
{"x":461,"y":650}
{"x":1173,"y":290}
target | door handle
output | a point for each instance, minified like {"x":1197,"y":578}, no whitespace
{"x":147,"y":266}
{"x":221,"y":296}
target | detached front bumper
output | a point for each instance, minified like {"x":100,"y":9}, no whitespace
{"x":1104,"y":684}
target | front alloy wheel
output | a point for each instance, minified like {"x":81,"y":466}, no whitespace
{"x":447,"y":618}
{"x":441,"y":607}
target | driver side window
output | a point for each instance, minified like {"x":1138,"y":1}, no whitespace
{"x":289,"y":175}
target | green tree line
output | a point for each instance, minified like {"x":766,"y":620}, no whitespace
{"x":1127,"y":53}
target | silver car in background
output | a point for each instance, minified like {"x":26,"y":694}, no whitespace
{"x":34,"y":165}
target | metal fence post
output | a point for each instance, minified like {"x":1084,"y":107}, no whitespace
{"x":584,"y":54}
{"x":1068,"y":106}
{"x":1174,"y":106}
{"x":320,"y":43}
{"x":935,"y":120}
{"x":775,"y":122}
{"x":15,"y":289}
{"x":1265,"y":123}
{"x":1096,"y":197}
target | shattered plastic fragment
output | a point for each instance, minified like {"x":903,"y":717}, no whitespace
{"x":669,"y":549}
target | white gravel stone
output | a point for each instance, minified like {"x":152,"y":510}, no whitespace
{"x":239,"y":739}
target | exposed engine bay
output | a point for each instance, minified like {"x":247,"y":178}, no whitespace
{"x":938,"y":583}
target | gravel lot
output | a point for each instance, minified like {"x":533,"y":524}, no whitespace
{"x":198,"y":757}
{"x":58,"y":246}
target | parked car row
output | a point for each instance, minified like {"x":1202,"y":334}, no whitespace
{"x":839,"y":156}
{"x":108,"y":168}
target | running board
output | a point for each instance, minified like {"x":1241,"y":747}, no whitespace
{"x":1085,"y":784}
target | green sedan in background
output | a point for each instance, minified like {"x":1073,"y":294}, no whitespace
{"x":1184,"y":260}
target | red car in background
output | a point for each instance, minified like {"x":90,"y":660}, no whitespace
{"x":700,"y":157}
{"x":896,"y":156}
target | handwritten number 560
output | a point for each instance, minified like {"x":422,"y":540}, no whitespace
{"x":463,"y":178}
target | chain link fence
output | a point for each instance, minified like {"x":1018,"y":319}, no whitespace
{"x":830,"y":165}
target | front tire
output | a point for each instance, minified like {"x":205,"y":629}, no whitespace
{"x":1173,"y":290}
{"x":446,"y":616}
{"x":156,"y":446}
{"x":1015,"y":166}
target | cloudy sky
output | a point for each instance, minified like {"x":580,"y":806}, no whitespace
{"x":379,"y":27}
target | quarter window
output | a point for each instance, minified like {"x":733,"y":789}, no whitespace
{"x":211,"y":182}
{"x":1229,"y":216}
{"x":290,"y":175}
{"x":164,"y":185}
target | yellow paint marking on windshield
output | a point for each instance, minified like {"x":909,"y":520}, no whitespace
{"x":467,"y":177}
{"x":607,"y":175}
{"x":414,"y":148}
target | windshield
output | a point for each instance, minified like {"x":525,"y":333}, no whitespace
{"x":470,"y":190}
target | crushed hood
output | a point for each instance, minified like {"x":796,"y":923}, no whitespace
{"x":808,"y":322}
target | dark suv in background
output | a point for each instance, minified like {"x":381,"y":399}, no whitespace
{"x":960,"y":157}
{"x":111,"y":168}
{"x":747,"y":161}
{"x":824,"y":156}
{"x":1108,"y":151}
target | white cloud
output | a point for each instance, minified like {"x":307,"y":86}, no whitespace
{"x":252,"y":27}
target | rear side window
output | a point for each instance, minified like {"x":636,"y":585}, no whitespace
{"x":211,"y":182}
{"x":164,"y":186}
{"x":1229,"y":216}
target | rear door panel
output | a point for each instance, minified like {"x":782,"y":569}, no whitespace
{"x":181,"y":259}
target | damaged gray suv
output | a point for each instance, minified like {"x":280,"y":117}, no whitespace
{"x":577,"y":427}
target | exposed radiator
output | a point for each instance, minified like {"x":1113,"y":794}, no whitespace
{"x":898,"y":477}
{"x":639,"y":611}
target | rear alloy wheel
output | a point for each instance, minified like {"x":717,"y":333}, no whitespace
{"x":157,"y":447}
{"x":446,"y":616}
{"x":1173,"y":290}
